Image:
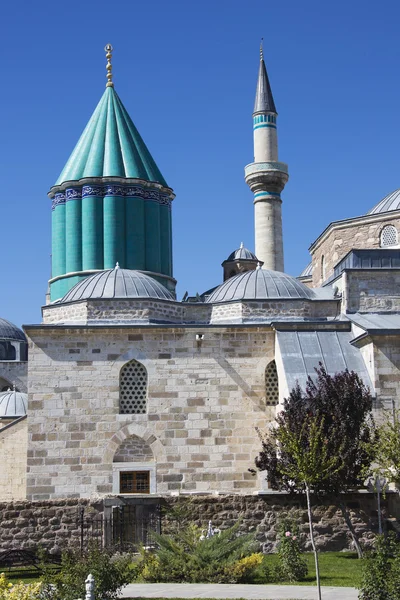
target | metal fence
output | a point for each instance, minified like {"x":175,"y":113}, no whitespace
{"x":122,"y":528}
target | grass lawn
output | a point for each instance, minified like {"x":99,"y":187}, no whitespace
{"x":342,"y":569}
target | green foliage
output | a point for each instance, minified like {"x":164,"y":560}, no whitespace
{"x":19,"y":591}
{"x":292,"y":564}
{"x":341,"y":405}
{"x":387,"y":448}
{"x":183,"y":556}
{"x":110,"y":572}
{"x":378,"y":574}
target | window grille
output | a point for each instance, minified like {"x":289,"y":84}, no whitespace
{"x":134,"y":482}
{"x":271,"y":384}
{"x":389,"y":236}
{"x":133,"y":388}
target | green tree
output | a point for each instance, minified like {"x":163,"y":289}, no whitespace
{"x":387,"y":448}
{"x":343,"y":404}
{"x":302,"y":458}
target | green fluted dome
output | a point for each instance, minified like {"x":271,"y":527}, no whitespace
{"x":111,"y":146}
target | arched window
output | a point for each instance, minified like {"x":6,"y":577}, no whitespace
{"x":389,"y":236}
{"x":133,"y":388}
{"x":271,"y":384}
{"x":323,"y":268}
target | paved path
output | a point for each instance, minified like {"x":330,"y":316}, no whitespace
{"x":224,"y":590}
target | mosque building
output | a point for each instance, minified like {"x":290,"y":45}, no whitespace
{"x":127,"y":391}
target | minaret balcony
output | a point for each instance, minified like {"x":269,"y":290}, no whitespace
{"x":273,"y":174}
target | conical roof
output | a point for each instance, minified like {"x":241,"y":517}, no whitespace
{"x":264,"y":99}
{"x":111,"y":146}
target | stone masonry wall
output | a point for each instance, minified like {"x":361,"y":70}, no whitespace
{"x":52,"y":524}
{"x":13,"y":449}
{"x":55,"y":524}
{"x":344,"y":237}
{"x":387,"y":371}
{"x":372,"y":291}
{"x":14,"y":372}
{"x":204,"y":401}
{"x":262,"y":514}
{"x":133,"y":449}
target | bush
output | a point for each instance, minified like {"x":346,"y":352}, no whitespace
{"x":18,"y":591}
{"x":380,"y":573}
{"x":186,"y":556}
{"x":292,"y":565}
{"x":110,"y":572}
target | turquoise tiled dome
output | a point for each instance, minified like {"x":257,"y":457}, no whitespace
{"x":111,"y":146}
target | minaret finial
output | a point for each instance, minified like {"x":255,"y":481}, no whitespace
{"x":108,"y":50}
{"x":262,"y":49}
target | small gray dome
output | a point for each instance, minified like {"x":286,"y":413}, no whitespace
{"x":261,"y":284}
{"x":117,"y":283}
{"x":307,"y":272}
{"x":9,"y":331}
{"x":241,"y":253}
{"x":389,"y":202}
{"x":13,"y":404}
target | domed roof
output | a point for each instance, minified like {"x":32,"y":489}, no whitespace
{"x":261,"y":284}
{"x":307,"y":272}
{"x":117,"y":283}
{"x":241,"y":253}
{"x":389,"y":202}
{"x":13,"y":404}
{"x":9,"y":331}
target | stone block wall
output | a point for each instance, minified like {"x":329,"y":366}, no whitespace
{"x":372,"y":291}
{"x":13,"y":450}
{"x":14,"y":372}
{"x":262,"y":514}
{"x":55,"y":524}
{"x":343,"y":236}
{"x":204,"y":401}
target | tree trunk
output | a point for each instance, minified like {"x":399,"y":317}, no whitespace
{"x":350,"y":525}
{"x":312,"y":540}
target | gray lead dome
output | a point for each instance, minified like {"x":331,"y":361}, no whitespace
{"x":13,"y":404}
{"x":117,"y":283}
{"x":389,"y":202}
{"x":261,"y":284}
{"x":9,"y":331}
{"x":241,"y":253}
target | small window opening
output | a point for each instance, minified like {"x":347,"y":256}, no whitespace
{"x":134,"y":482}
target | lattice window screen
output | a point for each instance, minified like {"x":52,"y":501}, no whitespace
{"x":271,"y":384}
{"x":133,"y":388}
{"x":389,"y":236}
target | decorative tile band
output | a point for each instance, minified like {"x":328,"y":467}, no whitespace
{"x":264,"y":125}
{"x":266,"y":194}
{"x":150,"y":195}
{"x":57,"y":200}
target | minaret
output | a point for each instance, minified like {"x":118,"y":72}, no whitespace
{"x":266,"y":177}
{"x":111,"y":203}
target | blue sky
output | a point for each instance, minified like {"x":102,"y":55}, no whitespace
{"x":186,"y":72}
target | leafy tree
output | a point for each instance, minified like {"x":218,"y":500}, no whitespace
{"x":302,"y":459}
{"x":343,"y":404}
{"x":388,"y":448}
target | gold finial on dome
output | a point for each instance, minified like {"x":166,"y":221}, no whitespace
{"x":109,"y":50}
{"x":261,"y":49}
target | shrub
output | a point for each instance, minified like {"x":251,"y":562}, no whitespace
{"x":379,"y":575}
{"x":18,"y":591}
{"x":110,"y":572}
{"x":183,"y":556}
{"x":292,"y":565}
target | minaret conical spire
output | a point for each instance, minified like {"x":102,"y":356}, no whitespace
{"x":266,"y":177}
{"x":264,"y":101}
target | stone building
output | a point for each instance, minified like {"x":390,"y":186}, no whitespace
{"x":132,"y":393}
